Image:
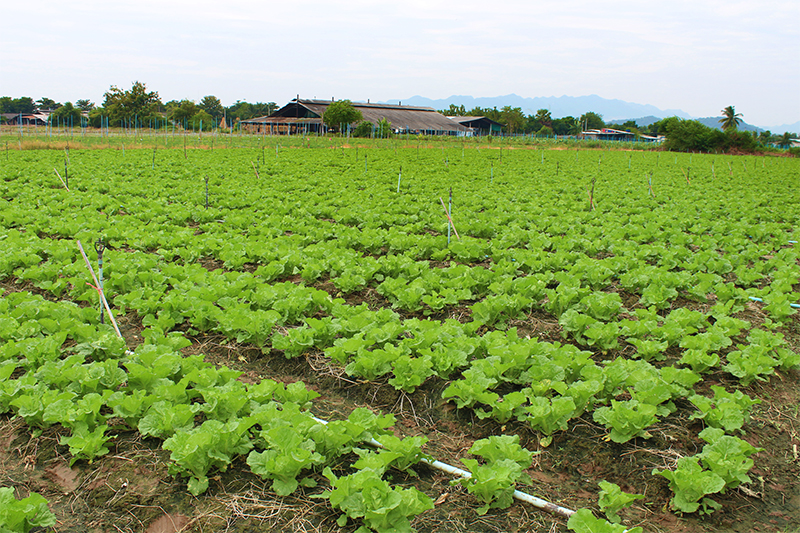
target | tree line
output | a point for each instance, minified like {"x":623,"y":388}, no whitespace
{"x":681,"y":135}
{"x":541,"y":123}
{"x":141,"y":107}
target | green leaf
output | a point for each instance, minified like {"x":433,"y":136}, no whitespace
{"x":583,"y":521}
{"x":20,"y":516}
{"x":612,"y":499}
{"x":627,"y":420}
{"x":691,"y":483}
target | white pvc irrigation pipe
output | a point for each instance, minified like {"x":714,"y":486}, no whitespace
{"x":454,"y":471}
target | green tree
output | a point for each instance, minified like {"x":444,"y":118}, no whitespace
{"x":566,"y":126}
{"x":545,"y":131}
{"x":66,"y":114}
{"x":84,"y":105}
{"x":512,"y":117}
{"x":44,"y":104}
{"x":182,"y":113}
{"x":201,"y":121}
{"x":691,"y":135}
{"x":492,"y":114}
{"x":629,"y":125}
{"x":544,"y":117}
{"x":122,"y":106}
{"x":97,"y":117}
{"x":245,"y":110}
{"x":786,"y":140}
{"x":730,"y":118}
{"x":341,"y":113}
{"x":531,"y":124}
{"x":212,"y":106}
{"x":384,"y":129}
{"x":363,"y":129}
{"x":24,"y":104}
{"x":454,"y":111}
{"x":592,"y":121}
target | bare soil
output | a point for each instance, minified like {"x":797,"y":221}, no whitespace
{"x":130,"y":490}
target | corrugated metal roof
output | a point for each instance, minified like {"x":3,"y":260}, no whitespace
{"x":282,"y":120}
{"x":412,"y":118}
{"x":470,"y":118}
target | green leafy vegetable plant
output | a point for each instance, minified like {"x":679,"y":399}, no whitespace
{"x":85,"y":443}
{"x":612,"y":499}
{"x":690,"y":484}
{"x":727,"y":456}
{"x":627,"y":419}
{"x":364,"y":494}
{"x":214,"y":444}
{"x":728,"y":411}
{"x":583,"y":521}
{"x":20,"y":516}
{"x":494,"y":481}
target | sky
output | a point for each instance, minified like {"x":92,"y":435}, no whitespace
{"x":697,"y":56}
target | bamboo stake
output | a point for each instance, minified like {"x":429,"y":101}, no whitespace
{"x":450,"y":219}
{"x":59,"y":177}
{"x":99,"y":290}
{"x":255,"y":170}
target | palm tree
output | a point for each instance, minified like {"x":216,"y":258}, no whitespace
{"x":544,"y":118}
{"x":730,"y":118}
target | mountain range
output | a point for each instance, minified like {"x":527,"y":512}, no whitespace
{"x":613,"y":111}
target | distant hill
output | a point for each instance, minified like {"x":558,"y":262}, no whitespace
{"x":642,"y":122}
{"x":783,"y":128}
{"x":713,"y":122}
{"x":559,"y":106}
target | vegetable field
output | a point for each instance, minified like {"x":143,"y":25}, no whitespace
{"x":614,"y":332}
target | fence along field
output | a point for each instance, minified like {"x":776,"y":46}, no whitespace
{"x":591,"y":319}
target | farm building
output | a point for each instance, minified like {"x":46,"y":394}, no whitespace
{"x":26,"y":119}
{"x":480,"y":125}
{"x":608,"y":134}
{"x":305,"y":116}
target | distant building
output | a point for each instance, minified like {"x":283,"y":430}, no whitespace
{"x":305,"y":116}
{"x":26,"y":119}
{"x":480,"y":125}
{"x":609,"y":134}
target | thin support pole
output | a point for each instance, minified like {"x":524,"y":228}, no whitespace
{"x":449,"y":214}
{"x":450,"y":219}
{"x":99,"y":290}
{"x":59,"y":177}
{"x":399,"y":176}
{"x":99,"y":247}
